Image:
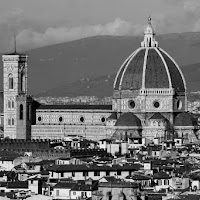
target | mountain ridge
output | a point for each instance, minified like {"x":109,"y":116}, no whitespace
{"x":66,"y":63}
{"x":102,"y":86}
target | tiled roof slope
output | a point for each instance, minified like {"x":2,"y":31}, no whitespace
{"x":133,"y":73}
{"x":80,"y":168}
{"x":184,"y":119}
{"x":176,"y":78}
{"x":155,"y":74}
{"x":72,"y":107}
{"x":128,"y":119}
{"x":157,"y":116}
{"x":113,"y":116}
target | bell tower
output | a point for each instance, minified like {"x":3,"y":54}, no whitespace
{"x":17,"y":103}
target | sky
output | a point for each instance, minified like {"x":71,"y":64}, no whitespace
{"x":38,"y":23}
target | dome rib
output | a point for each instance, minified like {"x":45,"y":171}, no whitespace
{"x":177,"y":78}
{"x":133,"y":71}
{"x":121,"y":69}
{"x":118,"y":77}
{"x":144,"y":68}
{"x":167,"y":70}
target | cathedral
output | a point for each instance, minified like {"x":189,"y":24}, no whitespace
{"x":149,"y":101}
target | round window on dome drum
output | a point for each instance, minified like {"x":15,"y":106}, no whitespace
{"x":156,"y":104}
{"x":82,"y":119}
{"x":132,"y":104}
{"x":103,"y":119}
{"x":60,"y":119}
{"x":39,"y":119}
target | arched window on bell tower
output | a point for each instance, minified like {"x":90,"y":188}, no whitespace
{"x":22,"y":82}
{"x":13,"y":104}
{"x":10,"y":81}
{"x":9,"y":121}
{"x":21,"y":111}
{"x":13,"y":121}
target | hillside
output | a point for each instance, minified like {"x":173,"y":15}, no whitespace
{"x":58,"y":66}
{"x":103,"y":86}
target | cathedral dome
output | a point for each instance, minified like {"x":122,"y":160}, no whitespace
{"x":149,"y":67}
{"x":128,"y":119}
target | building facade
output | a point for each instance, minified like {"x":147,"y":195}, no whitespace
{"x":149,"y":101}
{"x":17,"y":103}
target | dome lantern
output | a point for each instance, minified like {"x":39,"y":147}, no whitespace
{"x":149,"y":36}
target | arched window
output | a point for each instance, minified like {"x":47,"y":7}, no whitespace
{"x":13,"y":121}
{"x":22,"y":82}
{"x":9,"y":121}
{"x":10,"y":80}
{"x":13,"y":104}
{"x":9,"y":104}
{"x":149,"y":42}
{"x":21,"y":111}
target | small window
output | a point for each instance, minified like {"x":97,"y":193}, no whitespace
{"x":132,"y":104}
{"x":179,"y":104}
{"x":83,"y":194}
{"x":11,"y":82}
{"x":82,"y":119}
{"x":9,"y":121}
{"x":119,"y":172}
{"x":85,"y":173}
{"x":103,"y":119}
{"x":13,"y":121}
{"x":97,"y":173}
{"x":156,"y":104}
{"x":61,"y":174}
{"x":22,"y":82}
{"x":60,"y":119}
{"x":21,"y":111}
{"x":13,"y":104}
{"x":107,"y":173}
{"x":39,"y":119}
{"x":73,"y":174}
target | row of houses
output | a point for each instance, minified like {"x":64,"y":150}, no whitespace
{"x":146,"y":172}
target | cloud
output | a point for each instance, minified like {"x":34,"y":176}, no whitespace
{"x":188,"y":18}
{"x":29,"y":38}
{"x":33,"y":34}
